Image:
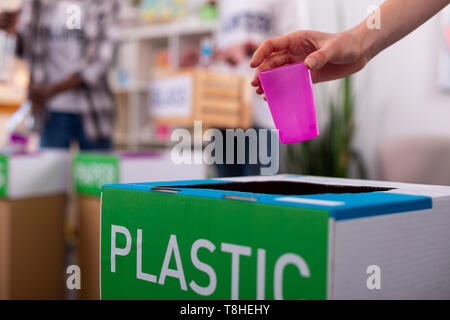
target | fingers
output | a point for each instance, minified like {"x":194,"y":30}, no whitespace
{"x":316,"y":60}
{"x":7,"y":20}
{"x":259,"y":90}
{"x":267,"y":48}
{"x":36,"y":107}
{"x":321,"y":57}
{"x":5,"y":23}
{"x":36,"y":95}
{"x":36,"y":98}
{"x":274,"y":61}
{"x":233,"y":55}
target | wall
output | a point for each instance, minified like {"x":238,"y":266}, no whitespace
{"x":397,"y":95}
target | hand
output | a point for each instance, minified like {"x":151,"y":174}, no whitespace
{"x":329,"y":56}
{"x":8,"y":21}
{"x":39,"y":94}
{"x":236,"y":54}
{"x":189,"y":58}
{"x":36,"y":107}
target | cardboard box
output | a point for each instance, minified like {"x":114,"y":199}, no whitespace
{"x":218,"y":100}
{"x":283,"y":237}
{"x":34,"y":174}
{"x":32,"y":248}
{"x":88,"y":246}
{"x":90,"y":172}
{"x":32,"y":207}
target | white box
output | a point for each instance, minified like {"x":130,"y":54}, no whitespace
{"x":34,"y":174}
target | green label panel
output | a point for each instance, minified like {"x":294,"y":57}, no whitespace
{"x":165,"y":246}
{"x":3,"y":176}
{"x":92,"y":171}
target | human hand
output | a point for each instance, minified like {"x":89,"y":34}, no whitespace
{"x":329,"y":56}
{"x":189,"y":58}
{"x":8,"y":20}
{"x":236,"y":54}
{"x":39,"y":95}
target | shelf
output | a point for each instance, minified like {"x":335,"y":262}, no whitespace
{"x":166,"y":30}
{"x":132,"y":88}
{"x":138,"y":47}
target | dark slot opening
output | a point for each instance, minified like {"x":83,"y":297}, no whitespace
{"x":284,"y":188}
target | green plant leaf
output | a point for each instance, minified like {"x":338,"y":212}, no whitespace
{"x":331,"y":153}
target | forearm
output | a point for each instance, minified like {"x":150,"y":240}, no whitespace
{"x":39,"y":94}
{"x":72,"y":82}
{"x":398,"y":18}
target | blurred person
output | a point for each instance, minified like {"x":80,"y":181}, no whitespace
{"x":334,"y":56}
{"x":8,"y":20}
{"x":69,"y":49}
{"x":244,"y":25}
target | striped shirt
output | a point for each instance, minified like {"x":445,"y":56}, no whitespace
{"x":61,"y":38}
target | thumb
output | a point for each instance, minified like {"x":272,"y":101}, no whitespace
{"x":319,"y":58}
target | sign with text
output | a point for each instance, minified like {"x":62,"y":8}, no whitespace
{"x":92,"y":170}
{"x":171,"y":97}
{"x":162,"y":246}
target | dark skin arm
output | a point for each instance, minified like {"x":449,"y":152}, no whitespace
{"x":39,"y":94}
{"x":8,"y":21}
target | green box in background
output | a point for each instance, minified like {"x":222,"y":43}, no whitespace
{"x":92,"y":170}
{"x":34,"y":174}
{"x":3,"y":176}
{"x":33,"y":189}
{"x":284,"y":237}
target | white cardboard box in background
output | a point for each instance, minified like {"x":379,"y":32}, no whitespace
{"x":158,"y":168}
{"x":36,"y":174}
{"x":92,"y":170}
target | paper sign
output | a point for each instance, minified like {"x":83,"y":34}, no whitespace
{"x":171,"y":97}
{"x":162,"y":246}
{"x":92,"y":171}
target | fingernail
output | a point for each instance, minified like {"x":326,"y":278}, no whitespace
{"x":311,"y":62}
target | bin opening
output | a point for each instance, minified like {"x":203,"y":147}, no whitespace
{"x":284,"y":188}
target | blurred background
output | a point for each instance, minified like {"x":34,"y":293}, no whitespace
{"x":401,"y":97}
{"x":120,"y":76}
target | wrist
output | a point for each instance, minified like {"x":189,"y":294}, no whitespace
{"x":70,"y":83}
{"x":53,"y":91}
{"x":365,"y":38}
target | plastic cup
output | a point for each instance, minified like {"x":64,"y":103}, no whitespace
{"x":289,"y":93}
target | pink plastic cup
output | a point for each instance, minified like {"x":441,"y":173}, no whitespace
{"x":289,"y":92}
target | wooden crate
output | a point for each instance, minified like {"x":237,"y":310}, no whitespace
{"x":218,"y":100}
